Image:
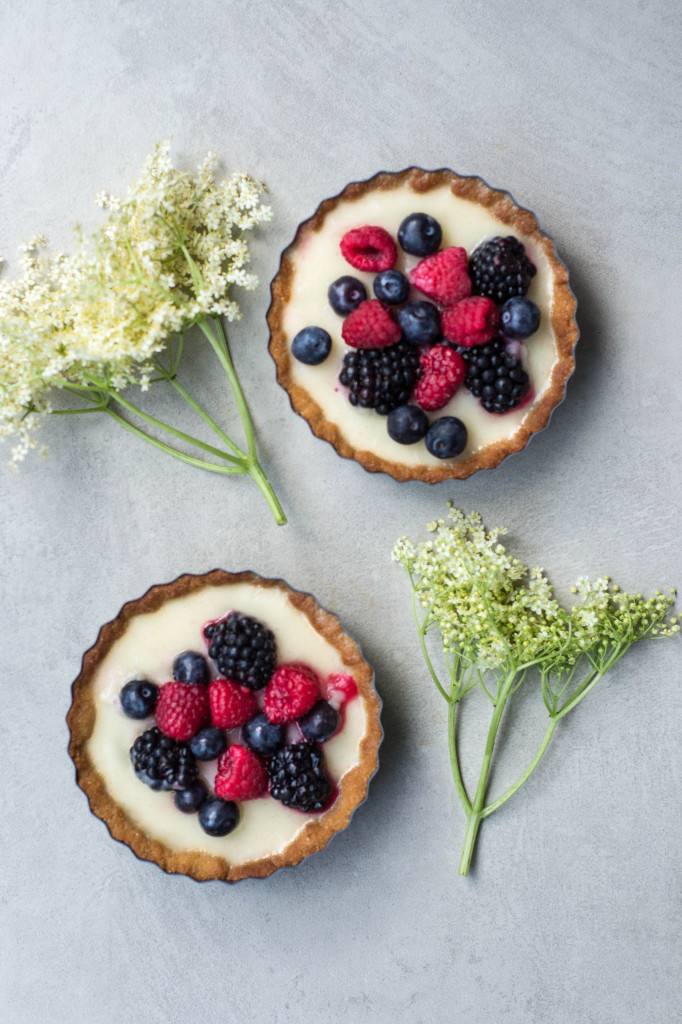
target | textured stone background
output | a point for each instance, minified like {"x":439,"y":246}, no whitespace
{"x":572,"y":910}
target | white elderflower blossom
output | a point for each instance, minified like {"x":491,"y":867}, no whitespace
{"x":497,"y":621}
{"x":96,"y":321}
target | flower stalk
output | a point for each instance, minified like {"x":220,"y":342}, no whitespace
{"x":499,"y":625}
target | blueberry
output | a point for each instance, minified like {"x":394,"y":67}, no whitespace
{"x":320,"y":722}
{"x":391,"y":287}
{"x":262,"y":736}
{"x":208,"y":743}
{"x":312,"y":345}
{"x":191,"y":667}
{"x":420,"y":323}
{"x":138,"y":698}
{"x":407,"y":424}
{"x":446,"y":437}
{"x":190,"y":800}
{"x":420,"y":234}
{"x":520,"y":317}
{"x":218,"y":817}
{"x":346,"y":294}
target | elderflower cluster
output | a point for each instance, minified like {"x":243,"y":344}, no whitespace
{"x":494,"y":613}
{"x":166,"y":257}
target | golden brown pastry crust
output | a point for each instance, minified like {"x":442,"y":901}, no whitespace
{"x":197,"y":864}
{"x":564,"y":324}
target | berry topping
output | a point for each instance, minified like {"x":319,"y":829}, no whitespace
{"x":443,"y":370}
{"x":191,"y":667}
{"x":262,"y":736}
{"x":291,"y":692}
{"x":298,"y":777}
{"x":444,"y":277}
{"x":380,"y":379}
{"x":420,"y":234}
{"x":181,"y":709}
{"x":241,"y":775}
{"x":345,"y":294}
{"x":407,"y":424}
{"x":190,"y":800}
{"x":311,"y":346}
{"x":471,"y":322}
{"x":495,"y":376}
{"x":500,"y":269}
{"x":369,"y":248}
{"x":370,"y":326}
{"x":320,"y":722}
{"x":420,"y":323}
{"x":138,"y":698}
{"x":208,"y":743}
{"x":519,"y":317}
{"x":391,"y":287}
{"x":446,"y":437}
{"x":161,"y":762}
{"x":218,"y":817}
{"x":243,"y":648}
{"x":231,"y":704}
{"x":341,"y":685}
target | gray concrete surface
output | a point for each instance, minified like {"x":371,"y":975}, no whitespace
{"x":571,"y":913}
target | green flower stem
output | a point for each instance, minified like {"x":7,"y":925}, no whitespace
{"x":205,"y":416}
{"x":475,"y":815}
{"x":154,"y":422}
{"x":218,"y":343}
{"x":421,"y":629}
{"x":201,"y":463}
{"x":454,"y":757}
{"x":526,"y":775}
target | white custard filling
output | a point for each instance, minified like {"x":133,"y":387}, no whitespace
{"x":318,"y":262}
{"x":146,"y":650}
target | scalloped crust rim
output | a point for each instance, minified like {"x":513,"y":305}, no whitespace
{"x":195,"y":863}
{"x":502,"y":206}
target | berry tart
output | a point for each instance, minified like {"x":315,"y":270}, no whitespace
{"x":224,"y":726}
{"x":423,"y":324}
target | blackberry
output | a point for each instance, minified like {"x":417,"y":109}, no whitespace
{"x":298,"y":778}
{"x":495,"y":376}
{"x":380,"y":378}
{"x":500,"y":269}
{"x":243,"y":649}
{"x":163,"y":763}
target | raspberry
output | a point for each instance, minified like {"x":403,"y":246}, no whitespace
{"x":369,"y":248}
{"x":444,"y":276}
{"x":341,"y":686}
{"x":181,"y":709}
{"x":471,"y":322}
{"x":291,"y":692}
{"x":232,"y":705}
{"x":443,"y":370}
{"x":241,"y":774}
{"x":370,"y":326}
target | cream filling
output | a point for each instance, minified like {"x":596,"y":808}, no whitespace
{"x":318,"y":262}
{"x":147,"y":649}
